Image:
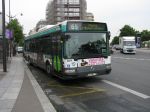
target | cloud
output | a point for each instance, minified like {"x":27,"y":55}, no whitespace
{"x":117,"y":13}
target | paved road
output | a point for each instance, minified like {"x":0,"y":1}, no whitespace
{"x":132,"y":71}
{"x":126,"y":89}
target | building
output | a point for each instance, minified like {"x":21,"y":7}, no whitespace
{"x":90,"y":16}
{"x":32,"y":31}
{"x":60,"y":10}
{"x":41,"y":24}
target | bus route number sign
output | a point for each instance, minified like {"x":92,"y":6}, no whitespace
{"x":74,"y":26}
{"x":86,"y":26}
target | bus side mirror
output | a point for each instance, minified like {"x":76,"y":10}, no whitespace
{"x":66,"y":37}
{"x":108,"y":35}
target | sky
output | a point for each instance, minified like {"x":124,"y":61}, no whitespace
{"x":116,"y":13}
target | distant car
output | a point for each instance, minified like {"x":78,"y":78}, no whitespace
{"x":117,"y":47}
{"x":20,"y":49}
{"x":111,"y":50}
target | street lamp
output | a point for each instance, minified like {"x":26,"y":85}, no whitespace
{"x":4,"y":39}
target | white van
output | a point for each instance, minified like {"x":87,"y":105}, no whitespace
{"x":127,"y":44}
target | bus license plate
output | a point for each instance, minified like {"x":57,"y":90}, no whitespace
{"x":91,"y":74}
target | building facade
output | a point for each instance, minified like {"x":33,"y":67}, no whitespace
{"x":60,"y":10}
{"x":41,"y":24}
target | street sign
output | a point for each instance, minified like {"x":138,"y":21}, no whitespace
{"x":9,"y":34}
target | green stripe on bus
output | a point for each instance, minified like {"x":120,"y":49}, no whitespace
{"x":57,"y":63}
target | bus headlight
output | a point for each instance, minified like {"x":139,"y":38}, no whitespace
{"x":108,"y":66}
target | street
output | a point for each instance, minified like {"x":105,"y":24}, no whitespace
{"x":126,"y":89}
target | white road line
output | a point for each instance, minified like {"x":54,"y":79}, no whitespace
{"x":127,"y":89}
{"x":131,"y":58}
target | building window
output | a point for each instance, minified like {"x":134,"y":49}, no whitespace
{"x":73,"y":1}
{"x":74,"y":9}
{"x":58,"y":18}
{"x":76,"y":14}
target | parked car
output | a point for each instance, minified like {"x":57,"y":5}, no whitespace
{"x":19,"y":49}
{"x":117,"y":47}
{"x":111,"y":49}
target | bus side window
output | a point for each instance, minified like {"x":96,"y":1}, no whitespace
{"x":48,"y":50}
{"x":39,"y":46}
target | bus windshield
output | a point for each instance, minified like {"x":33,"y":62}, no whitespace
{"x":85,"y":45}
{"x":129,"y":43}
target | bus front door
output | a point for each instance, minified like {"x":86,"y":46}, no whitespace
{"x":56,"y":54}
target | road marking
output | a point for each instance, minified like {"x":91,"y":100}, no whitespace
{"x":131,"y":58}
{"x":87,"y":90}
{"x":127,"y":89}
{"x":81,"y":93}
{"x":77,"y":87}
{"x":51,"y":82}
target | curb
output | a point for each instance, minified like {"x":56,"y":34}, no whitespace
{"x":45,"y":102}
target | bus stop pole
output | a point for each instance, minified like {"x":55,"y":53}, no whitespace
{"x":4,"y":39}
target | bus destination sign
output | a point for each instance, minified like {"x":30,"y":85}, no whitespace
{"x":86,"y":26}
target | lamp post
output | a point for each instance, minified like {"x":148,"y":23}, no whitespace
{"x":4,"y":39}
{"x":9,"y":10}
{"x":10,"y":43}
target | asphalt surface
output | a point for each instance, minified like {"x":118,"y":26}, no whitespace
{"x":126,"y":89}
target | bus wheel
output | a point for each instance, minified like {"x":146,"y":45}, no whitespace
{"x":48,"y":68}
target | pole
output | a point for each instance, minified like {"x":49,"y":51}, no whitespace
{"x":4,"y":39}
{"x":10,"y":41}
{"x":9,"y":11}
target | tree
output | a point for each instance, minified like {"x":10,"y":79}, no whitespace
{"x":127,"y":31}
{"x":115,"y":40}
{"x":17,"y":29}
{"x":145,"y":35}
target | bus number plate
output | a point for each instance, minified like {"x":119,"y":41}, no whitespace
{"x":91,"y":74}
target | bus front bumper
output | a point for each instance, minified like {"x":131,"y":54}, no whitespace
{"x":87,"y":71}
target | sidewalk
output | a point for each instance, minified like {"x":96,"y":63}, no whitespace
{"x":19,"y":91}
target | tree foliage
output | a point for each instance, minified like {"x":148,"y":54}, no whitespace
{"x":127,"y":31}
{"x":115,"y":40}
{"x":17,"y":29}
{"x":145,"y":35}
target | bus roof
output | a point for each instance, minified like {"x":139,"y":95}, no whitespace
{"x":58,"y":27}
{"x":44,"y":32}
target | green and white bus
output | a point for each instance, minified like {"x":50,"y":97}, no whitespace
{"x":71,"y":49}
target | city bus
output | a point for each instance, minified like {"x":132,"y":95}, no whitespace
{"x":71,"y":49}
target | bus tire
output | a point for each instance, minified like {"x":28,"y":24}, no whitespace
{"x":108,"y":71}
{"x":48,"y":68}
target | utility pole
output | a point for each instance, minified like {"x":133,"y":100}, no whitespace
{"x":9,"y":11}
{"x":4,"y":39}
{"x":10,"y":41}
